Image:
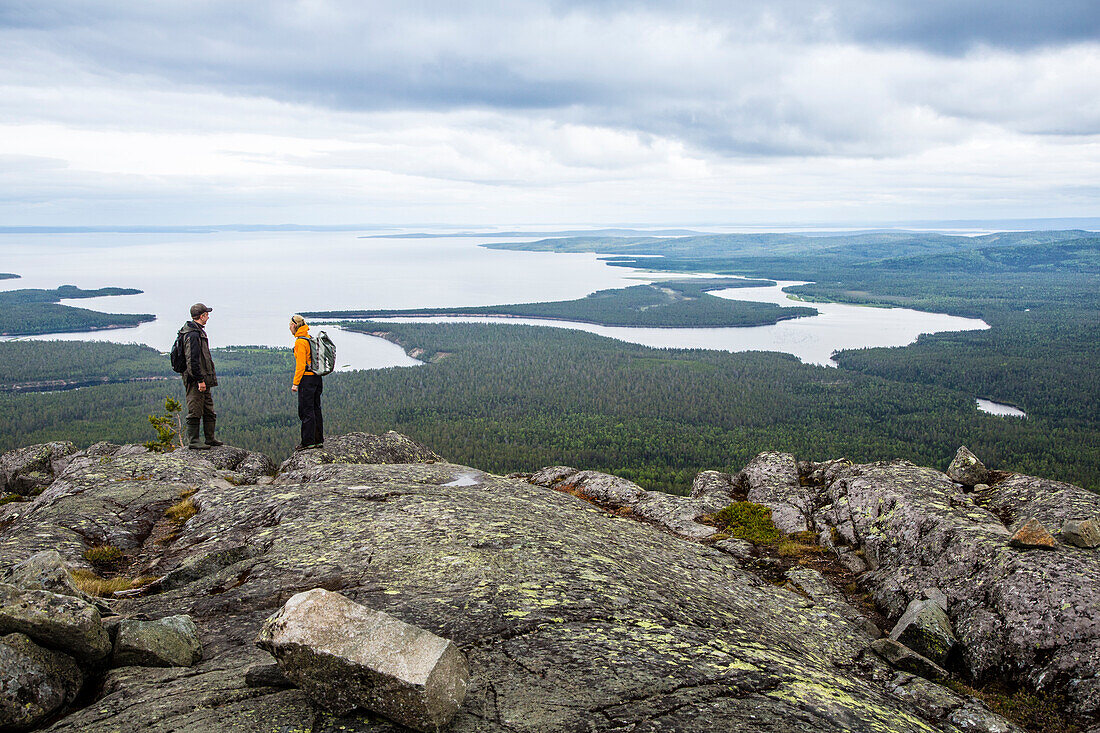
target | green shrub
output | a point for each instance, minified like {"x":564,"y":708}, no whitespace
{"x":748,"y":521}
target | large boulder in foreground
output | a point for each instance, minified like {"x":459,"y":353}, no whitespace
{"x":347,"y":656}
{"x":35,"y":683}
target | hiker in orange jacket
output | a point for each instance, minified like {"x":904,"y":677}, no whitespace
{"x":308,"y":386}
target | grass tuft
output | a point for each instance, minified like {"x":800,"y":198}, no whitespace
{"x":94,"y":585}
{"x":103,"y":555}
{"x":182,"y":511}
{"x":800,"y":544}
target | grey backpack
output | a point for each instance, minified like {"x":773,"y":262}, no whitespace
{"x":322,"y":353}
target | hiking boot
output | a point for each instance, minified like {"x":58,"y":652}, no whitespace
{"x":193,"y":435}
{"x":208,"y":425}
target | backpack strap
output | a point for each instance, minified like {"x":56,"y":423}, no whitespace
{"x":309,"y":363}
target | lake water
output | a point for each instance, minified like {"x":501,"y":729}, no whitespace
{"x":996,"y":408}
{"x":255,"y":281}
{"x":813,"y":340}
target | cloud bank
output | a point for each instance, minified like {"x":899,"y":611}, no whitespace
{"x":523,"y":111}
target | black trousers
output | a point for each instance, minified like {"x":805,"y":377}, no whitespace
{"x":309,"y":409}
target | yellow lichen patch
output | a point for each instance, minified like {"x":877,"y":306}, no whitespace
{"x":813,"y":696}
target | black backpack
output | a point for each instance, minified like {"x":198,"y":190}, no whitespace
{"x":179,"y":355}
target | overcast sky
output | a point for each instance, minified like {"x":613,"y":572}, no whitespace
{"x":547,"y":112}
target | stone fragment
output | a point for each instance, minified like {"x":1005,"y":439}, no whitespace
{"x":346,"y":656}
{"x":1083,"y":533}
{"x":926,"y":629}
{"x":735,"y":547}
{"x":266,"y":675}
{"x":714,"y":482}
{"x":35,"y":683}
{"x":904,"y":658}
{"x":937,"y":595}
{"x":852,"y":561}
{"x":973,"y":717}
{"x":54,"y":620}
{"x":172,"y":641}
{"x":1033,"y":535}
{"x":966,"y":469}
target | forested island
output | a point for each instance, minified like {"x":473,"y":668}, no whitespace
{"x":30,"y":312}
{"x":667,"y":304}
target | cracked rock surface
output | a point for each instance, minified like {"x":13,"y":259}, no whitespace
{"x":1032,"y":616}
{"x":571,"y":618}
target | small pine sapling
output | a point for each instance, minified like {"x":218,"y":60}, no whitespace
{"x":168,"y":427}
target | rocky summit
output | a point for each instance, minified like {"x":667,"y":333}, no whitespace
{"x":134,"y":587}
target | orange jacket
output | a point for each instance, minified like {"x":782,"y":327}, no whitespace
{"x":301,"y":353}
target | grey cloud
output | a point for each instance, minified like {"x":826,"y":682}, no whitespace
{"x":528,"y":57}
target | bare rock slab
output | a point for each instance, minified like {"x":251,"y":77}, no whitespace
{"x":346,"y":656}
{"x":172,"y":641}
{"x":35,"y":683}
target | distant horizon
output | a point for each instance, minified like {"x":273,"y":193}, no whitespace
{"x":576,"y":229}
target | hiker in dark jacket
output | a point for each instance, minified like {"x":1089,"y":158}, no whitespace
{"x":198,"y":379}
